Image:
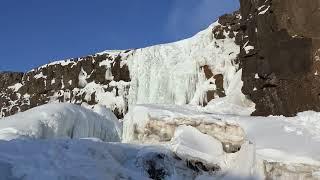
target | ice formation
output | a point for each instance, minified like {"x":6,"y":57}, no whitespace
{"x":172,"y":74}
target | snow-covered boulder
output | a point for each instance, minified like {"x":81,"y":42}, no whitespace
{"x":60,"y":121}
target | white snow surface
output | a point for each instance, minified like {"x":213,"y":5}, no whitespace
{"x":60,"y":121}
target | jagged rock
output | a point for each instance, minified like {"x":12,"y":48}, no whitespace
{"x":59,"y":82}
{"x":279,"y":55}
{"x":229,"y":25}
{"x":9,"y":78}
{"x":218,"y":81}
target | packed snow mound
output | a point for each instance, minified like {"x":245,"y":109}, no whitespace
{"x":61,"y":121}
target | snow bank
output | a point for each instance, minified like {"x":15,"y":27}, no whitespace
{"x":60,"y":121}
{"x":87,"y":159}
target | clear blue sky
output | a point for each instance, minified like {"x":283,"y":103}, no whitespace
{"x":35,"y":32}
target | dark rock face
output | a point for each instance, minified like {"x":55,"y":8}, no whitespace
{"x":229,"y":25}
{"x":218,"y":81}
{"x":280,"y":47}
{"x":159,"y":166}
{"x":66,"y":82}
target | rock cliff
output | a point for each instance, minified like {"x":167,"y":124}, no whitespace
{"x":280,"y":55}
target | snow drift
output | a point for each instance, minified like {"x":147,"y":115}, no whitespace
{"x":60,"y":121}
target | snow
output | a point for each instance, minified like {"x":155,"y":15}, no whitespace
{"x":190,"y":143}
{"x":59,"y":121}
{"x":83,"y":75}
{"x":15,"y":87}
{"x":103,"y":97}
{"x":248,"y":48}
{"x":264,"y":11}
{"x":272,"y":133}
{"x":40,"y":75}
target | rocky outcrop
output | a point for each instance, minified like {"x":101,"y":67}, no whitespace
{"x":99,"y":79}
{"x":280,"y":48}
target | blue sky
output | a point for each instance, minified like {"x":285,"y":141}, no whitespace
{"x":35,"y":32}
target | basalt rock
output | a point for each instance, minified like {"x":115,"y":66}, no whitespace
{"x":60,"y":82}
{"x":280,"y":47}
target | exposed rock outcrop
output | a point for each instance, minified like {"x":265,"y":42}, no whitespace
{"x":102,"y":78}
{"x":280,"y":55}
